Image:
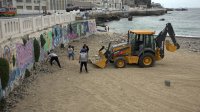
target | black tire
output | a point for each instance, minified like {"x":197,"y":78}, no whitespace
{"x":111,"y":61}
{"x":147,"y":60}
{"x":120,"y":62}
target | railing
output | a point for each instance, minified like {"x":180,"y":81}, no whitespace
{"x":17,"y":27}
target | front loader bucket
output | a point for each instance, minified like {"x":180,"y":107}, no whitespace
{"x":100,"y":60}
{"x":170,"y":47}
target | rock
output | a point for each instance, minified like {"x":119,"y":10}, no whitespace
{"x":167,"y":83}
{"x":194,"y":50}
{"x":162,"y":19}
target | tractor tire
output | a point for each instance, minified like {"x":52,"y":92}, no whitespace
{"x":120,"y":62}
{"x":146,"y":60}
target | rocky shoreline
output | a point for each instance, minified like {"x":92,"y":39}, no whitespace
{"x":116,"y":15}
{"x":191,"y":44}
{"x":187,"y":43}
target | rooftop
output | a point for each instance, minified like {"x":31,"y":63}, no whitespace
{"x":147,"y":32}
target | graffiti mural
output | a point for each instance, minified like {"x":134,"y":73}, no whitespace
{"x":43,"y":54}
{"x":13,"y":76}
{"x":77,"y":29}
{"x":1,"y":51}
{"x":64,"y":33}
{"x":1,"y":90}
{"x":7,"y":54}
{"x":57,"y":35}
{"x":72,"y":31}
{"x":92,"y":26}
{"x":86,"y":28}
{"x":25,"y":55}
{"x":49,"y":41}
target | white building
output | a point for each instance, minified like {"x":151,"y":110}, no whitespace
{"x":25,"y":6}
{"x":5,"y":3}
{"x":86,"y":3}
{"x":35,"y":6}
{"x":30,"y":5}
{"x":112,"y":4}
{"x":56,"y":4}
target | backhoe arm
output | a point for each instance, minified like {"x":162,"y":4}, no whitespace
{"x":160,"y":41}
{"x":172,"y":35}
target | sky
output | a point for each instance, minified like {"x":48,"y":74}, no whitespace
{"x":179,"y":3}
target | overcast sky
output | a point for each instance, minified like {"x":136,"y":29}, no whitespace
{"x":179,"y":3}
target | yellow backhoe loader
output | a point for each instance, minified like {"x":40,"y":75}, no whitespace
{"x":141,"y":48}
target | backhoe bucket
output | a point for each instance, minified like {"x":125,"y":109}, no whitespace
{"x":170,"y":47}
{"x":100,"y":60}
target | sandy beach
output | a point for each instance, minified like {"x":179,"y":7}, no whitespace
{"x":130,"y":89}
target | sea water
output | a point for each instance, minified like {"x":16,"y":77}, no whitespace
{"x":185,"y":23}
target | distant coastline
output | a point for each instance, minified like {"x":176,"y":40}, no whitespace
{"x":116,"y":15}
{"x":177,"y":9}
{"x":185,"y":23}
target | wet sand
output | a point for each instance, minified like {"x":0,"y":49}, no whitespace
{"x":130,"y":89}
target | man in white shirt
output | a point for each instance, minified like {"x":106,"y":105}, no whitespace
{"x":70,"y":52}
{"x":52,"y":56}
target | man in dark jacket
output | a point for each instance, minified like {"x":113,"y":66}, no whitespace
{"x":83,"y":59}
{"x":86,"y":48}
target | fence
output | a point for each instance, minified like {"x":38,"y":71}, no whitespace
{"x":17,"y":27}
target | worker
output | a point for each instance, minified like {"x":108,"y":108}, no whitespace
{"x":141,"y":45}
{"x":70,"y":52}
{"x":85,"y":48}
{"x":107,"y":28}
{"x":52,"y":56}
{"x":83,"y":59}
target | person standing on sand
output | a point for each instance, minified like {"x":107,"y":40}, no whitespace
{"x":70,"y":52}
{"x":52,"y":56}
{"x":106,"y":28}
{"x":83,"y":59}
{"x":85,"y":48}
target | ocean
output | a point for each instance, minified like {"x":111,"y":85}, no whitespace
{"x":185,"y":23}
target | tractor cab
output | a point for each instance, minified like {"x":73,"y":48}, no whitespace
{"x":141,"y":40}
